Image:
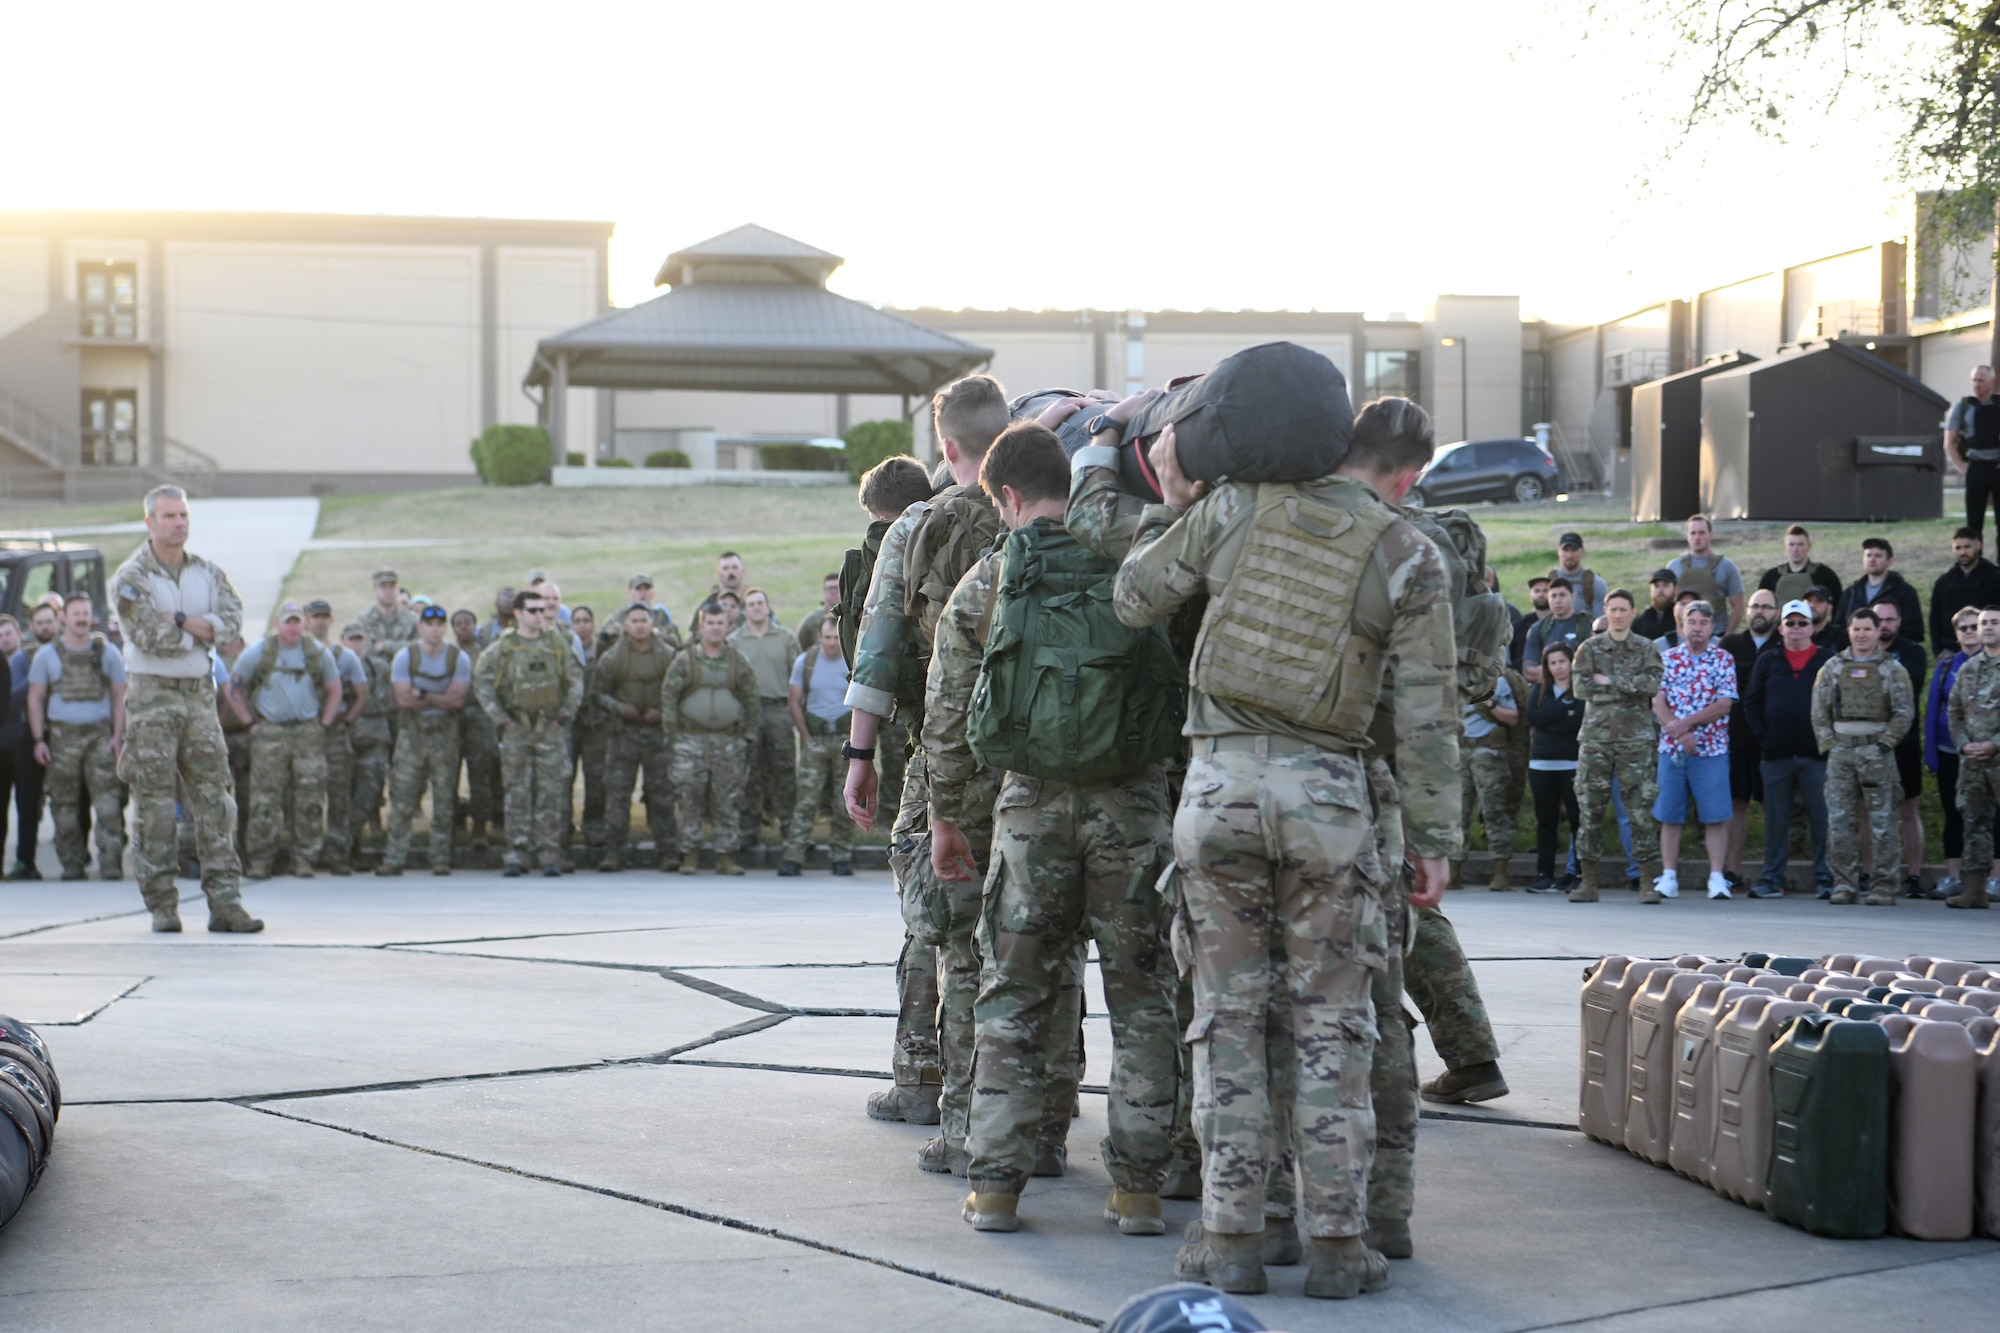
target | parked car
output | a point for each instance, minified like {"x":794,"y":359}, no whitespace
{"x":31,"y":566}
{"x":1511,"y":469}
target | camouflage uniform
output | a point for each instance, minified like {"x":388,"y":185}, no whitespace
{"x":880,"y":673}
{"x":479,"y":751}
{"x":173,"y":740}
{"x":389,"y":632}
{"x":1072,"y":859}
{"x":287,"y":766}
{"x":426,"y":758}
{"x":1438,"y":978}
{"x":772,"y":787}
{"x":1975,"y":716}
{"x":537,"y":686}
{"x":1488,"y":778}
{"x":373,"y":740}
{"x":1860,"y":706}
{"x":339,"y":739}
{"x":821,"y":781}
{"x":81,"y":767}
{"x":707,"y":739}
{"x":1620,"y":740}
{"x":1276,"y":835}
{"x":624,"y":676}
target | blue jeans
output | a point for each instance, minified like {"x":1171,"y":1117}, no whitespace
{"x":1782,"y":779}
{"x":1624,"y":833}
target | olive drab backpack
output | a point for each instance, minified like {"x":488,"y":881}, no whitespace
{"x":960,"y":527}
{"x":1480,"y":624}
{"x":267,"y":662}
{"x":1066,"y":690}
{"x":857,"y":571}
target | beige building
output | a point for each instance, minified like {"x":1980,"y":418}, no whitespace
{"x":274,"y":353}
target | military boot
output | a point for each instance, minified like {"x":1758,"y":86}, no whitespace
{"x":1500,"y":883}
{"x":1281,"y":1242}
{"x":912,"y":1104}
{"x":1234,"y":1264}
{"x":1344,"y":1268}
{"x":691,"y":864}
{"x":944,"y":1157}
{"x":1390,"y":1237}
{"x":725,"y":864}
{"x":1586,"y":883}
{"x":1457,"y":880}
{"x":479,"y":845}
{"x":1650,"y":886}
{"x":1881,"y":895}
{"x":992,"y":1212}
{"x":1972,"y":895}
{"x":1135,"y":1214}
{"x":1183,"y":1182}
{"x":1051,"y":1159}
{"x":165,"y":905}
{"x":1844,"y":895}
{"x":611,"y":864}
{"x":167,"y":921}
{"x":1474,"y":1083}
{"x":231,"y":919}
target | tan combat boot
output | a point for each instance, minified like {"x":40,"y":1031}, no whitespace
{"x":1390,"y":1237}
{"x":691,"y":864}
{"x":912,"y":1104}
{"x":230,"y":919}
{"x":1586,"y":883}
{"x":992,"y":1212}
{"x":1135,"y":1214}
{"x":1234,"y":1264}
{"x":1882,"y":895}
{"x":1457,"y":880}
{"x":1972,"y":895}
{"x":1281,"y":1242}
{"x":1500,"y":883}
{"x":1342,"y":1269}
{"x":725,"y":864}
{"x":1844,"y":895}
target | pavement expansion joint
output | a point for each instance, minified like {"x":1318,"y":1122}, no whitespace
{"x":79,"y":1022}
{"x":1710,"y":1298}
{"x":722,"y":992}
{"x":700,"y":1215}
{"x":533,"y":935}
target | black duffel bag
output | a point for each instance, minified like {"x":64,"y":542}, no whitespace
{"x":1275,"y":412}
{"x":13,"y":1032}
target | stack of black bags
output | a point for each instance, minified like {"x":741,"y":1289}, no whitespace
{"x":30,"y":1101}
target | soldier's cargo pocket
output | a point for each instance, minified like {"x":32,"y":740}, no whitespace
{"x":925,"y":899}
{"x":1180,"y":930}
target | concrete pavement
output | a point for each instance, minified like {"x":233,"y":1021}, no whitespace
{"x":636,"y":1100}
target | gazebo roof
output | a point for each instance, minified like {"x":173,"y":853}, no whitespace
{"x":749,"y":312}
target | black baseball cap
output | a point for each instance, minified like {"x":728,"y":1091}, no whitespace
{"x":319,"y":606}
{"x":1665,"y":575}
{"x":1569,"y":539}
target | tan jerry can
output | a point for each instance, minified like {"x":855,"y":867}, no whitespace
{"x":1694,"y":962}
{"x":1920,"y":963}
{"x":1741,"y":1154}
{"x":1868,"y":962}
{"x":1921,"y":985}
{"x":1824,"y":995}
{"x":1949,"y":972}
{"x":1933,"y":1105}
{"x":1944,"y":1011}
{"x":1608,"y":988}
{"x":1649,"y":1090}
{"x":1690,"y":1140}
{"x":1985,"y":1001}
{"x":1746,"y":975}
{"x":1717,"y":969}
{"x":1985,"y":1033}
{"x":1841,"y":962}
{"x":1891,"y":976}
{"x":1846,"y":981}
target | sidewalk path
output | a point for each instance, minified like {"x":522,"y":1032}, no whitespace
{"x":256,"y":542}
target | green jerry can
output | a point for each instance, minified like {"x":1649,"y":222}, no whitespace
{"x":1986,"y":1131}
{"x":1830,"y":1127}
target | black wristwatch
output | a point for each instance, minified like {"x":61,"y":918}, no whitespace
{"x":1102,"y":422}
{"x":849,"y":752}
{"x":180,"y":619}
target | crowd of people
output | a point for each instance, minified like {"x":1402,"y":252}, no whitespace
{"x":1815,"y":700}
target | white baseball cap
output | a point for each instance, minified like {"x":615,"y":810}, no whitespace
{"x":1795,"y":608}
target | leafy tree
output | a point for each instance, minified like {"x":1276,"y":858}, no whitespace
{"x":869,"y":442}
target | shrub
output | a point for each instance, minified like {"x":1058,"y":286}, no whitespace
{"x":869,"y":442}
{"x":668,"y":458}
{"x":574,"y":458}
{"x":616,"y":462}
{"x":511,"y":455}
{"x":800,"y":458}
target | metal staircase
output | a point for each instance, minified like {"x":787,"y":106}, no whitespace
{"x":62,"y":476}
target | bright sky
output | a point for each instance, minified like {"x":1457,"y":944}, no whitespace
{"x":1318,"y":154}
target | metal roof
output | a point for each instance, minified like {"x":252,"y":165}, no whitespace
{"x":749,"y":313}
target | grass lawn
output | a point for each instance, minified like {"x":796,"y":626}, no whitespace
{"x":589,"y":541}
{"x":1521,"y":543}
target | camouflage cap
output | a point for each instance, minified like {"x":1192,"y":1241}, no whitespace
{"x":352,"y":630}
{"x":290,"y":611}
{"x":640,"y":580}
{"x":384,"y":574}
{"x":319,"y":606}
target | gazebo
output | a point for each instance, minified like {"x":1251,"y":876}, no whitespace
{"x":748,"y":312}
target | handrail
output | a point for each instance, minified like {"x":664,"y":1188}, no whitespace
{"x":36,"y":433}
{"x":184,"y":457}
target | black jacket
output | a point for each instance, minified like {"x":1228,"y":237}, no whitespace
{"x":1917,"y":662}
{"x":1894,"y":587}
{"x":1956,"y":589}
{"x":1743,"y":648}
{"x":1653,"y":623}
{"x":1779,"y":704}
{"x":1553,"y":723}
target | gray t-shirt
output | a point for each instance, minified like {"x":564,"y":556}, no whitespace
{"x":827,"y":699}
{"x":429,"y":677}
{"x":47,"y":670}
{"x":287,"y":696}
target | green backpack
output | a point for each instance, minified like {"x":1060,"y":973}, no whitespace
{"x":1065,"y":690}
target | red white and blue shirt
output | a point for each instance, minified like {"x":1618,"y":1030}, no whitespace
{"x":1691,"y":684}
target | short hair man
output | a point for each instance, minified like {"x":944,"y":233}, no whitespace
{"x":1972,"y":444}
{"x":1538,"y":611}
{"x":1567,"y":624}
{"x":174,"y":605}
{"x":531,"y":685}
{"x":1697,"y":690}
{"x":1663,"y":592}
{"x":769,"y":790}
{"x":1972,"y":580}
{"x":287,"y":688}
{"x":893,"y":485}
{"x":76,"y":714}
{"x":390,"y":624}
{"x":816,"y":698}
{"x":1788,"y":581}
{"x":625,"y":683}
{"x":1878,"y":581}
{"x":640,"y":588}
{"x":1587,"y":588}
{"x":1862,"y":701}
{"x":1617,"y":674}
{"x":1974,"y":710}
{"x":1262,"y":860}
{"x":728,"y":575}
{"x":432,"y":680}
{"x":1713,"y":578}
{"x":829,"y":603}
{"x":709,"y":709}
{"x":1828,"y":632}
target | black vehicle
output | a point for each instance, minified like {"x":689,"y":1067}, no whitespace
{"x":1511,"y":469}
{"x":32,"y":566}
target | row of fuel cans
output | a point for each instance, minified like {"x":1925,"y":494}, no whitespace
{"x":1848,"y":1095}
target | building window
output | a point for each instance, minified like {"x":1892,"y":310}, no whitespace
{"x":1390,"y":375}
{"x":110,"y":427}
{"x":108,"y":300}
